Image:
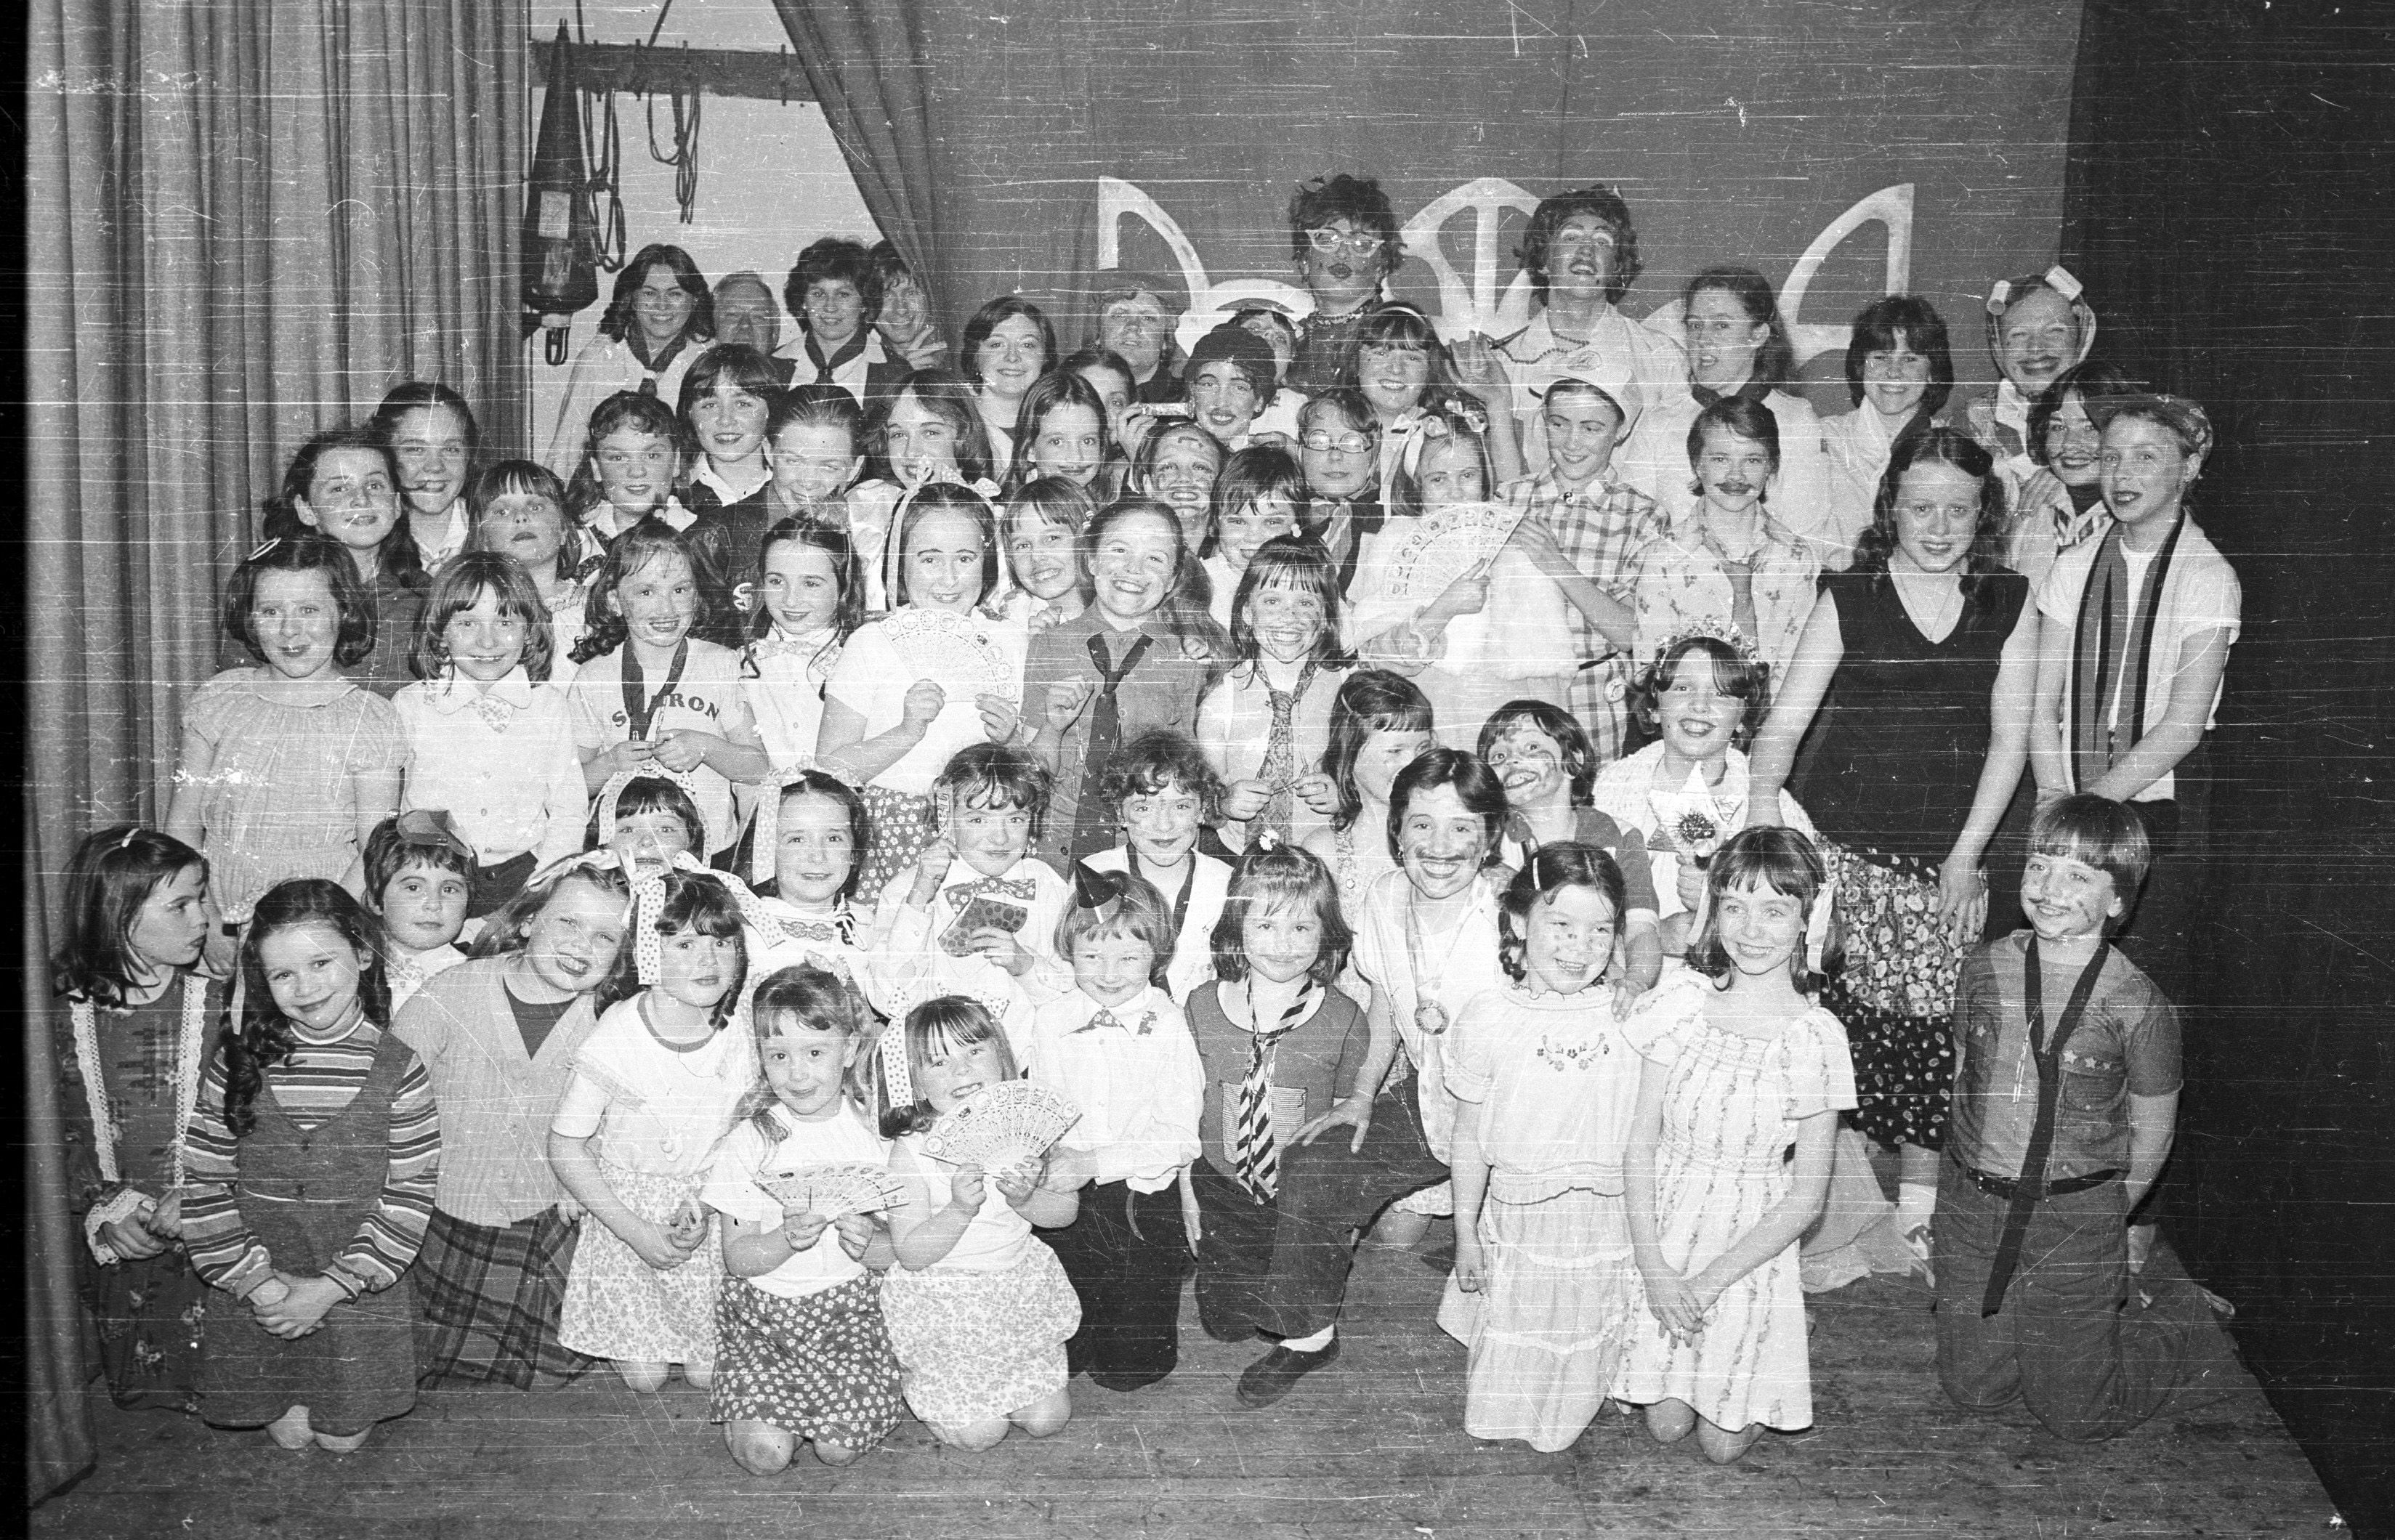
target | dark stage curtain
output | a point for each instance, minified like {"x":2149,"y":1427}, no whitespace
{"x":2228,"y":210}
{"x":1739,"y":132}
{"x":244,"y":222}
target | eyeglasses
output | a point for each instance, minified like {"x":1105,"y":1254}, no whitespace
{"x":1322,"y":443}
{"x":1363,"y":243}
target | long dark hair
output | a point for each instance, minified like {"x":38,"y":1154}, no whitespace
{"x":1775,"y":359}
{"x":308,"y":551}
{"x":263,"y":1038}
{"x":618,"y":321}
{"x":1373,"y":700}
{"x":110,"y":875}
{"x":1937,"y":444}
{"x":846,"y":572}
{"x":1564,"y":864}
{"x":399,"y":557}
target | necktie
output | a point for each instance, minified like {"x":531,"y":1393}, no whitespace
{"x":848,"y":350}
{"x":1255,"y":1152}
{"x":1092,"y":827}
{"x":2048,"y":1053}
{"x":2114,"y":634}
{"x":1279,"y":769}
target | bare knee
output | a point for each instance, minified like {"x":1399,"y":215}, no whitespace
{"x":973,"y":1436}
{"x":1722,"y":1446}
{"x":645,"y":1378}
{"x":1045,"y":1416}
{"x":835,"y":1454}
{"x":760,"y":1449}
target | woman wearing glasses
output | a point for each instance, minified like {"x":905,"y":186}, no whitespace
{"x":1344,"y":236}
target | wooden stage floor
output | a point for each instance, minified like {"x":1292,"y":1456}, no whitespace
{"x":1372,"y":1446}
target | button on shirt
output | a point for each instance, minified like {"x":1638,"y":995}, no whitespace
{"x":501,"y":761}
{"x":1137,"y":1079}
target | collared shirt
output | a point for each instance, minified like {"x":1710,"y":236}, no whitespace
{"x":1234,"y":732}
{"x":1804,"y":496}
{"x":452,"y":538}
{"x":918,"y":967}
{"x":500,"y":760}
{"x":1617,"y":355}
{"x":1676,"y":580}
{"x":708,"y":700}
{"x":1456,"y":965}
{"x":1192,"y":946}
{"x":1161,"y":690}
{"x":1598,"y":528}
{"x":1137,"y":1080}
{"x":2127,"y":1044}
{"x":2200,"y":595}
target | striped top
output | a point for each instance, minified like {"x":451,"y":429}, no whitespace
{"x":312,"y":1088}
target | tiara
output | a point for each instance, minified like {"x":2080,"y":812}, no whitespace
{"x":1706,"y":628}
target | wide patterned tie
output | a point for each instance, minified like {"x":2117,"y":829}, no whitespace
{"x":1093,"y":823}
{"x":1279,"y":769}
{"x":1254,"y":1154}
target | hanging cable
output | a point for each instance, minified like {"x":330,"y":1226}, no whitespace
{"x":684,"y":159}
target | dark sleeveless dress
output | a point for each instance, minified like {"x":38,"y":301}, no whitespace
{"x":1890,"y":786}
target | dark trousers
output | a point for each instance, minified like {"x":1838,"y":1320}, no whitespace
{"x":1234,"y":1253}
{"x":2089,"y":1362}
{"x":1126,"y":1253}
{"x":2159,"y":935}
{"x":1327,"y":1191}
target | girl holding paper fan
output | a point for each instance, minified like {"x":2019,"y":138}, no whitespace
{"x":1685,"y":793}
{"x":805,"y":1354}
{"x":937,"y":675}
{"x":979,"y":1309}
{"x":1411,"y":615}
{"x":654,"y":1088}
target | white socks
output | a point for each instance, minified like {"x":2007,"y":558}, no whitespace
{"x":1313,"y":1344}
{"x":1915,"y":1204}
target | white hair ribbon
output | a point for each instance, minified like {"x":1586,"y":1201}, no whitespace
{"x":1816,"y":926}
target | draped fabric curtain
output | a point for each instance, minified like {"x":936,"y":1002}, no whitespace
{"x":1740,"y":133}
{"x":866,"y":61}
{"x":246,"y":220}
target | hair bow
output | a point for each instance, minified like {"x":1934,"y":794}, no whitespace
{"x":614,"y":789}
{"x":649,"y":897}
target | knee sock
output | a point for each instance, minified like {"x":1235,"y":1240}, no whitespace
{"x":1915,"y":1202}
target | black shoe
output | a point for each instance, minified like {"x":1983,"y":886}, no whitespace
{"x":1271,"y":1376}
{"x":1125,"y":1382}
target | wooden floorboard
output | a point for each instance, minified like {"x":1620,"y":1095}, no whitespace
{"x":1373,"y":1446}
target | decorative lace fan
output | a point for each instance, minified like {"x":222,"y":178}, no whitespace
{"x":1693,"y":821}
{"x":1436,"y":549}
{"x":940,"y":645}
{"x":841,"y":1186}
{"x":1002,"y":1126}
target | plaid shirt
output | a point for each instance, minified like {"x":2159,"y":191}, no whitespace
{"x":1598,"y":528}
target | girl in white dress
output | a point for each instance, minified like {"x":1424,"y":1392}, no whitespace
{"x":1741,"y":1064}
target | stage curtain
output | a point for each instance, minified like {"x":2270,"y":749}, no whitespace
{"x":245,"y":221}
{"x":1739,"y":133}
{"x":864,"y":61}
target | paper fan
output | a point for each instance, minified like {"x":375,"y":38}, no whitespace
{"x":1694,"y":820}
{"x":841,"y":1187}
{"x":942,"y":646}
{"x":1002,"y":1126}
{"x":1436,"y":549}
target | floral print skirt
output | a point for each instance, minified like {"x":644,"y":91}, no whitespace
{"x":1896,"y":994}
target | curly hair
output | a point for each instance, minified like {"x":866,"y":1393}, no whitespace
{"x":1603,"y":201}
{"x":263,"y":1038}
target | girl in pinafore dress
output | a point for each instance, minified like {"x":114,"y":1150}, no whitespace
{"x":313,"y":1156}
{"x":1741,"y":1064}
{"x":1548,"y":1085}
{"x":136,"y":921}
{"x":979,"y":1309}
{"x":654,"y":1088}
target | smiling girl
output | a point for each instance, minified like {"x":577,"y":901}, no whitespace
{"x":2061,"y":502}
{"x":1060,"y":431}
{"x":1265,"y":725}
{"x":520,"y":512}
{"x":930,"y":431}
{"x":286,"y":768}
{"x":433,"y":438}
{"x":488,"y":739}
{"x":344,"y":484}
{"x":660,"y":317}
{"x":1115,"y":671}
{"x":1899,"y":372}
{"x":314,"y":1155}
{"x":937,"y":675}
{"x":652,"y":694}
{"x":1727,"y":563}
{"x":1742,"y":1066}
{"x":1007,"y":345}
{"x":498,"y":1035}
{"x":1257,"y":499}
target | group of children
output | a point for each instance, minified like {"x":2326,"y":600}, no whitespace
{"x":1133,"y":751}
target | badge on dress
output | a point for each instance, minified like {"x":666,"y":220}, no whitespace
{"x":1431,"y":1018}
